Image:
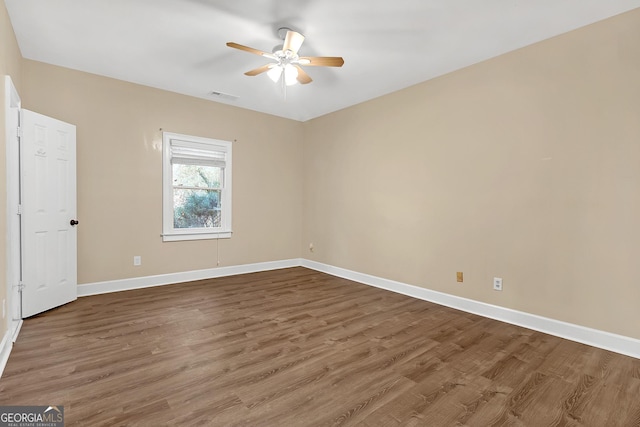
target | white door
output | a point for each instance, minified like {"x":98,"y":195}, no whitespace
{"x":49,"y":235}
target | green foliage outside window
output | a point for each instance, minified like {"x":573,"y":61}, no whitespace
{"x":196,"y":196}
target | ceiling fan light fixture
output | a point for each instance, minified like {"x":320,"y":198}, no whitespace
{"x":287,"y":67}
{"x":274,"y":73}
{"x":290,"y":75}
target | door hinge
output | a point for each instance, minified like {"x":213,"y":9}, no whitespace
{"x":19,"y":209}
{"x":21,"y":286}
{"x":19,"y":132}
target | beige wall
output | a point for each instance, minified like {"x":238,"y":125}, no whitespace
{"x":10,"y":62}
{"x":526,"y":167}
{"x":119,"y":170}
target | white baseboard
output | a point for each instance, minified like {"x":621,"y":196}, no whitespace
{"x":185,"y":276}
{"x":593,"y":337}
{"x":5,"y":350}
{"x":7,"y":344}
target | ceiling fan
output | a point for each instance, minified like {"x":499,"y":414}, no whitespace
{"x":288,"y":62}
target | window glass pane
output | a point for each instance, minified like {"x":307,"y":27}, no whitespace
{"x":197,"y":176}
{"x":196,"y":208}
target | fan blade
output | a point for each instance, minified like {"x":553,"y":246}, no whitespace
{"x":251,"y":50}
{"x":259,"y":70}
{"x":292,"y":42}
{"x":303,"y":77}
{"x":321,"y":61}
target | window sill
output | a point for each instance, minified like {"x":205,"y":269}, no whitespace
{"x":176,"y":237}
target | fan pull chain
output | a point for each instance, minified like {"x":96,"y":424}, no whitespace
{"x":284,"y":88}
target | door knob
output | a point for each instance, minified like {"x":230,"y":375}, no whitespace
{"x":73,"y":222}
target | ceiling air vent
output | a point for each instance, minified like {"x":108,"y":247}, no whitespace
{"x":223,"y":96}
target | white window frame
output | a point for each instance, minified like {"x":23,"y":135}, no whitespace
{"x":171,"y":234}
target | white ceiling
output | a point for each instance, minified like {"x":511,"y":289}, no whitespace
{"x":179,"y":45}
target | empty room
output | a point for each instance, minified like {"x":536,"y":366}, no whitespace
{"x":305,"y":212}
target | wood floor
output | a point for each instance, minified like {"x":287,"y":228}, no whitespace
{"x":296,"y":347}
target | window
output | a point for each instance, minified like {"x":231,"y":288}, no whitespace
{"x":196,"y":197}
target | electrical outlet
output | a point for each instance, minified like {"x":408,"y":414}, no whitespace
{"x":459,"y":276}
{"x":137,"y":260}
{"x":497,"y":283}
{"x":310,"y":247}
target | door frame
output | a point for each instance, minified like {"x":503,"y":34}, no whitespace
{"x":13,"y":227}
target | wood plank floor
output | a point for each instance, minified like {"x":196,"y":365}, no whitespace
{"x":296,"y":347}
